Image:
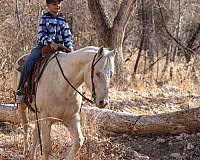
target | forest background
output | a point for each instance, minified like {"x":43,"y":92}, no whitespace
{"x":158,"y":50}
{"x":160,"y":42}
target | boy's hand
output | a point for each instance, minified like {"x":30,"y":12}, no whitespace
{"x":69,"y":50}
{"x":64,"y":49}
{"x":54,"y":46}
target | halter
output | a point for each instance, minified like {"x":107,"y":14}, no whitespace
{"x":92,"y":73}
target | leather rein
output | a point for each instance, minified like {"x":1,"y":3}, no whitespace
{"x":89,"y":100}
{"x":92,"y":77}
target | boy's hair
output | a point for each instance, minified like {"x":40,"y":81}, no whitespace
{"x":51,"y":1}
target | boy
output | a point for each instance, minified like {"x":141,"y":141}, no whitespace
{"x":53,"y":30}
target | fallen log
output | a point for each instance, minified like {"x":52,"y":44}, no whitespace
{"x":167,"y":123}
{"x":187,"y":121}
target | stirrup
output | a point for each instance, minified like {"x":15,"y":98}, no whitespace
{"x":20,"y":99}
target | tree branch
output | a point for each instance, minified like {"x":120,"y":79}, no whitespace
{"x":124,"y":13}
{"x":100,"y":17}
{"x":193,"y":38}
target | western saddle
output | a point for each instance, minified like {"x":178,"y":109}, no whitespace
{"x":30,"y":86}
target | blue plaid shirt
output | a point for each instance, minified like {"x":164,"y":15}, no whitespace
{"x":54,"y":29}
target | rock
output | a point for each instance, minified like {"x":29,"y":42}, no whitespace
{"x":139,"y":156}
{"x":170,"y":143}
{"x":190,"y":146}
{"x":140,"y":146}
{"x":198,"y":134}
{"x":124,"y":135}
{"x":161,"y":140}
{"x":176,"y":155}
{"x":182,"y":136}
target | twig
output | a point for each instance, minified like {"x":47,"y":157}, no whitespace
{"x":166,"y":29}
{"x":141,"y":43}
{"x":17,"y":14}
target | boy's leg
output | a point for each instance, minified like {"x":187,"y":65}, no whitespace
{"x":28,"y":66}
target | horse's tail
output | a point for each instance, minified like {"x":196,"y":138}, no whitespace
{"x":16,"y":70}
{"x":15,"y":78}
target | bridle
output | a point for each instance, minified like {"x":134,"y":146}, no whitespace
{"x":92,"y":73}
{"x":92,"y":76}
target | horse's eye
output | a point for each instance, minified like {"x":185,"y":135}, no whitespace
{"x":111,"y":74}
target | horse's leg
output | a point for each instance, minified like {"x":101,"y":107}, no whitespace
{"x":75,"y":131}
{"x":45,"y":127}
{"x":23,"y":112}
{"x":35,"y":140}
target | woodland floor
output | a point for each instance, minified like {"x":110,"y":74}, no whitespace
{"x":100,"y":145}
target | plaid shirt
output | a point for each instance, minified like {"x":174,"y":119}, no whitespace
{"x":54,"y":29}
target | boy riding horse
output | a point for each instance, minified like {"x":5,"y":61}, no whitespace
{"x":53,"y":32}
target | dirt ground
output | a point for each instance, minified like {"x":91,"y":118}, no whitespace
{"x":179,"y":147}
{"x":114,"y":147}
{"x":101,"y":145}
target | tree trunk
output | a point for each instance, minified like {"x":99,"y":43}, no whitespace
{"x":169,"y":123}
{"x":193,"y":38}
{"x":112,"y":36}
{"x":122,"y":122}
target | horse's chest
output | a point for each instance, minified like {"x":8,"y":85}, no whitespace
{"x":68,"y":106}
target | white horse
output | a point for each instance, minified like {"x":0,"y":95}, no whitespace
{"x":56,"y":99}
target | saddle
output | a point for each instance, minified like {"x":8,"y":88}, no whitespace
{"x":33,"y":78}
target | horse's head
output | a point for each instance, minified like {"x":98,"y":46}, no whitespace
{"x":100,"y":72}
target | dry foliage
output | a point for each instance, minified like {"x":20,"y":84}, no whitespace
{"x":164,"y":81}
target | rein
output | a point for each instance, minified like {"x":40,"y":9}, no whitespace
{"x":92,"y":77}
{"x":89,"y":100}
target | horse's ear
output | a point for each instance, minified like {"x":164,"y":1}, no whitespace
{"x":113,"y":52}
{"x":100,"y":51}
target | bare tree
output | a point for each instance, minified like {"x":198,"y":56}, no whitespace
{"x":112,"y":36}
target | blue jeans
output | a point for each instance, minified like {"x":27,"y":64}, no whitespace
{"x":34,"y":57}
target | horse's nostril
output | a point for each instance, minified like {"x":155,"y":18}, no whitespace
{"x":102,"y":103}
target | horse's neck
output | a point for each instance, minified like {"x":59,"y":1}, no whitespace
{"x":80,"y":58}
{"x":77,"y":62}
{"x":83,"y":56}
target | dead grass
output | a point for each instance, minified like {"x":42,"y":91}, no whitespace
{"x":151,"y":93}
